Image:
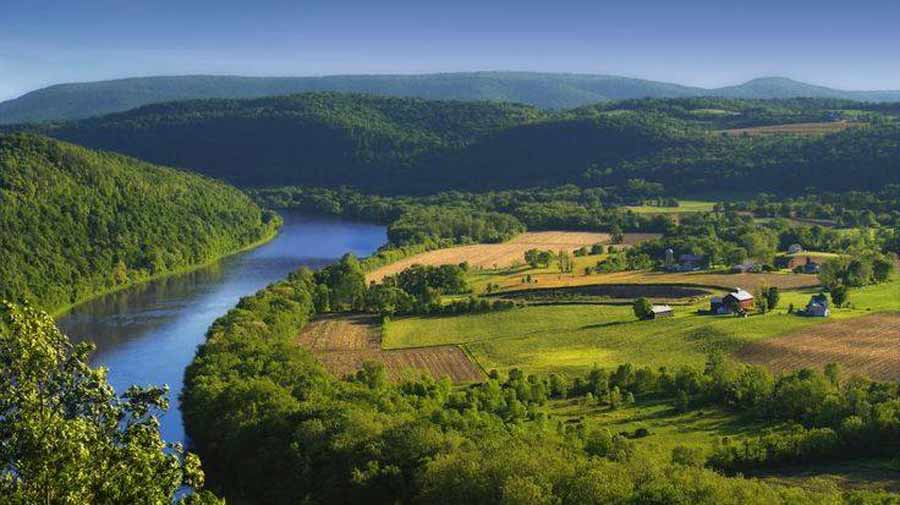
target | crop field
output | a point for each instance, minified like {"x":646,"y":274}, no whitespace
{"x":868,"y":346}
{"x":343,"y":343}
{"x":823,"y":128}
{"x":548,"y":278}
{"x":502,"y":255}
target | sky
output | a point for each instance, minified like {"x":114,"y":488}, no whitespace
{"x":849,"y":45}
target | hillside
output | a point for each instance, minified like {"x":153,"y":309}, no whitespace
{"x":544,"y":90}
{"x":406,"y":145}
{"x":75,"y":223}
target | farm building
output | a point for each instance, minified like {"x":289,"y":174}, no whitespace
{"x":817,"y":306}
{"x":808,"y":265}
{"x":687,"y":263}
{"x":737,"y":298}
{"x":747,"y":266}
{"x":661,"y":311}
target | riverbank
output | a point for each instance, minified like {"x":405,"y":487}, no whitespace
{"x":270,"y":235}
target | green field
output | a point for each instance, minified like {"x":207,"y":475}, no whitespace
{"x":684,"y":207}
{"x":574,"y":338}
{"x":668,"y":428}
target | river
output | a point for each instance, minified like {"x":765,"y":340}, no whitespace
{"x":148,"y":334}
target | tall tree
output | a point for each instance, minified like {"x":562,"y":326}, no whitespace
{"x":65,"y":437}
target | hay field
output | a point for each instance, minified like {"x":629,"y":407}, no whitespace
{"x":502,"y":255}
{"x":868,"y":345}
{"x":343,"y":343}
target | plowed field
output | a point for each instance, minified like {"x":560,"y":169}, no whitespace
{"x":868,"y":345}
{"x":343,"y":343}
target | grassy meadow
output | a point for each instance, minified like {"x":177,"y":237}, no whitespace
{"x":574,"y":338}
{"x":684,"y":207}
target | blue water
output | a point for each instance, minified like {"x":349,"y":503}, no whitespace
{"x":148,"y":334}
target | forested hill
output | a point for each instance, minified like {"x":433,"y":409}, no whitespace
{"x":544,"y":90}
{"x":405,"y":145}
{"x":75,"y":223}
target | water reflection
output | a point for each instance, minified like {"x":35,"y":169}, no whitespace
{"x":148,"y":334}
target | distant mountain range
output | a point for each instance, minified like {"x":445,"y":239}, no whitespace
{"x":549,"y":91}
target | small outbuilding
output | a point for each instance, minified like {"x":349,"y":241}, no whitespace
{"x":661,"y":312}
{"x":795,"y":248}
{"x":817,"y":306}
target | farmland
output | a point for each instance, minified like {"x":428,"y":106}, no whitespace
{"x":823,"y":128}
{"x":684,"y":207}
{"x":501,"y":255}
{"x":574,"y":338}
{"x":718,"y":280}
{"x":343,"y":343}
{"x":868,"y":345}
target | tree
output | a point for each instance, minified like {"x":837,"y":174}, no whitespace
{"x":616,"y":235}
{"x":67,"y":437}
{"x":772,"y":297}
{"x":832,"y":273}
{"x":564,"y":261}
{"x":882,"y":268}
{"x":762,"y":300}
{"x":839,"y":295}
{"x":537,"y":258}
{"x":642,"y":308}
{"x":346,"y":282}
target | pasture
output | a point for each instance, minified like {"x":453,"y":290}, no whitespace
{"x":574,"y":338}
{"x":343,"y":343}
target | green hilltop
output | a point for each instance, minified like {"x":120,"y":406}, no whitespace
{"x":75,"y":223}
{"x":409,"y":145}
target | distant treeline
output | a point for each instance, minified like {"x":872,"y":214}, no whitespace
{"x":75,"y":223}
{"x":565,"y":207}
{"x":272,"y":425}
{"x":407,"y":145}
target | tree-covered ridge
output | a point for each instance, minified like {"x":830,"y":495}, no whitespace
{"x":404,"y":145}
{"x":545,"y":90}
{"x":75,"y":222}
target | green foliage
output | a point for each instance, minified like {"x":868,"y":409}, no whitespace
{"x":75,"y":223}
{"x":840,"y":294}
{"x":64,"y":435}
{"x":453,"y":226}
{"x":642,"y":308}
{"x":405,"y":145}
{"x":537,"y":258}
{"x":278,"y":428}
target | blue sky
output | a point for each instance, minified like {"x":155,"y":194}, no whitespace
{"x":705,"y":42}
